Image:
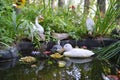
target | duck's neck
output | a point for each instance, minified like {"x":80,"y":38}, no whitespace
{"x":69,"y":48}
{"x":36,"y":21}
{"x":58,"y":42}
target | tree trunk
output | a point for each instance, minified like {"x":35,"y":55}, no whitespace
{"x":102,"y":7}
{"x":86,"y":6}
{"x":61,"y":3}
{"x":53,"y":4}
{"x":118,"y":9}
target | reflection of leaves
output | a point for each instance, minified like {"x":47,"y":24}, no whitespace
{"x":0,"y":55}
{"x":50,"y":62}
{"x":97,"y":68}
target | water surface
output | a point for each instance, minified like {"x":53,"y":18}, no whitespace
{"x":48,"y":69}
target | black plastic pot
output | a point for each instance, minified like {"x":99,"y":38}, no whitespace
{"x":89,"y":43}
{"x":25,"y":47}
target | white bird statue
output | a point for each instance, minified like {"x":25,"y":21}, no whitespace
{"x":37,"y":27}
{"x":90,"y":25}
{"x":76,"y":52}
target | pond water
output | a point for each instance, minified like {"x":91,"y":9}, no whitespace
{"x":48,"y":69}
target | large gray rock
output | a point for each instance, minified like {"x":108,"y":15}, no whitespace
{"x":9,"y":53}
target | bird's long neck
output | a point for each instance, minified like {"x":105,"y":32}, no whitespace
{"x":36,"y":21}
{"x":58,"y":42}
{"x":38,"y":26}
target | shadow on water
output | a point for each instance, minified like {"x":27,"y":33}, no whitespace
{"x":75,"y":69}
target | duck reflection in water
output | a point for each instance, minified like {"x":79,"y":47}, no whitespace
{"x":75,"y":72}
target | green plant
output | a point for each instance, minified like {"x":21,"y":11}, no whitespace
{"x":6,"y":26}
{"x":110,"y":52}
{"x":104,"y":25}
{"x":116,"y":32}
{"x":64,"y":21}
{"x":57,"y":20}
{"x":4,"y":44}
{"x":14,"y":27}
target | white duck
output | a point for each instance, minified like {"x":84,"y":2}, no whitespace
{"x":90,"y":25}
{"x":37,"y":27}
{"x":76,"y":52}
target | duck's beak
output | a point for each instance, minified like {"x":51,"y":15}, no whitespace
{"x":15,"y":5}
{"x":62,"y":50}
{"x":41,"y":19}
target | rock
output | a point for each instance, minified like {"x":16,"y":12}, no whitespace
{"x":8,"y":53}
{"x":60,"y":36}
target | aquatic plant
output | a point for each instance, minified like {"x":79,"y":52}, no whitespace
{"x":110,"y":53}
{"x":96,"y":72}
